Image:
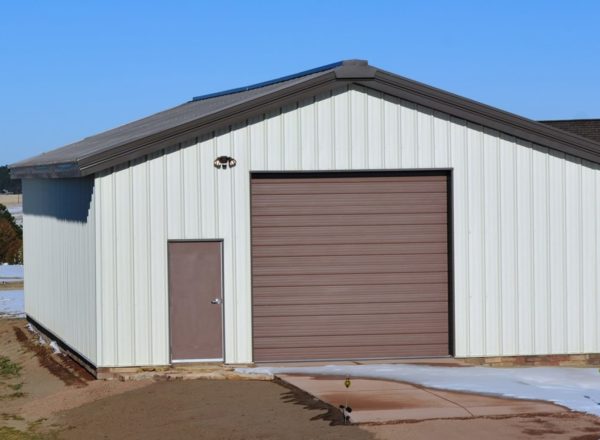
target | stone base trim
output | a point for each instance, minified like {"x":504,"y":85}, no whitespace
{"x":553,"y":360}
{"x":191,"y":371}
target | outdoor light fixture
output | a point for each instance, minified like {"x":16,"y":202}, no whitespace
{"x":222,"y":162}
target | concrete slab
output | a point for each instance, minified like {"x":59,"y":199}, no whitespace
{"x":480,"y":405}
{"x":383,"y":401}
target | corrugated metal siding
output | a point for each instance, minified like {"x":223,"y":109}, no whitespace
{"x":526,"y":223}
{"x":59,"y":253}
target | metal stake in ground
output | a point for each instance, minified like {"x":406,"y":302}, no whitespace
{"x":346,"y":410}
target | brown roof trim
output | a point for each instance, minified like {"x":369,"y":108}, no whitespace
{"x":348,"y":72}
{"x":485,"y":115}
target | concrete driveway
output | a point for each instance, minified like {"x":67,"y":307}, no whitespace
{"x":380,"y":401}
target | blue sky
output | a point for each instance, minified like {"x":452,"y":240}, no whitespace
{"x":72,"y":69}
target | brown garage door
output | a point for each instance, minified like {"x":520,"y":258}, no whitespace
{"x":349,"y":266}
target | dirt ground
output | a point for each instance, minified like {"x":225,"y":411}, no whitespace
{"x":51,"y":397}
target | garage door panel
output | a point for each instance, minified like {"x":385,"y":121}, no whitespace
{"x":328,"y":200}
{"x":367,"y":279}
{"x":367,"y":260}
{"x":349,"y":266}
{"x":348,"y":249}
{"x":359,"y":294}
{"x":330,"y":269}
{"x":367,"y":238}
{"x":352,"y":187}
{"x":260,"y":221}
{"x":355,"y":341}
{"x":380,"y":308}
{"x":362,"y":352}
{"x":372,"y":208}
{"x":323,"y":325}
{"x":260,"y":181}
{"x":344,"y":231}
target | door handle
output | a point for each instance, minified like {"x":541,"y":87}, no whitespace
{"x":216,"y":301}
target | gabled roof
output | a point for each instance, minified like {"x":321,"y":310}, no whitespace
{"x":218,"y":110}
{"x":588,"y":128}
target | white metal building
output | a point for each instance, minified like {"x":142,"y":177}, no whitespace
{"x":343,"y":212}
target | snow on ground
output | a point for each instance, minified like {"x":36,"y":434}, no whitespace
{"x":12,"y":303}
{"x":17,"y":213}
{"x":11,"y":272}
{"x":575,"y":388}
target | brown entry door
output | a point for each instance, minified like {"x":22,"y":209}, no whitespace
{"x":196,"y":301}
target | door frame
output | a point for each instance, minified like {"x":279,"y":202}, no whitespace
{"x":446,"y":171}
{"x":198,"y":240}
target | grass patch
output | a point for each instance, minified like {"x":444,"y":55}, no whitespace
{"x":16,"y":386}
{"x":8,"y":368}
{"x":15,"y":395}
{"x":7,"y":416}
{"x":7,"y":433}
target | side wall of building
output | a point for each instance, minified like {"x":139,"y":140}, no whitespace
{"x":59,"y":255}
{"x":526,"y":223}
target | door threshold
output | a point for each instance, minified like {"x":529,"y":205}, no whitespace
{"x":195,"y":361}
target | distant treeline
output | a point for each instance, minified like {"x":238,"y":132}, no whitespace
{"x":11,"y":238}
{"x":6,"y":183}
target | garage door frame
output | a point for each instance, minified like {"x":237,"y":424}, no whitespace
{"x":448,"y":172}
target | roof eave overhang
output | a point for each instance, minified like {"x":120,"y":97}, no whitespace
{"x":359,"y":73}
{"x":484,"y":115}
{"x":48,"y":171}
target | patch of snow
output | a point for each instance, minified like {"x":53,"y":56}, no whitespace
{"x":55,"y":348}
{"x":576,"y":388}
{"x":17,"y":213}
{"x":12,"y":303}
{"x":11,"y":272}
{"x":41,"y":339}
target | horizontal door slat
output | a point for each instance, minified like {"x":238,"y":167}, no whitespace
{"x":261,"y":221}
{"x":381,"y":187}
{"x":360,"y":352}
{"x":350,"y":309}
{"x":349,"y":249}
{"x":355,"y":341}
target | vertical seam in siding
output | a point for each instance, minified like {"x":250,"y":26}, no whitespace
{"x":383,"y":137}
{"x":332,"y":105}
{"x":581,"y":255}
{"x":298,"y":135}
{"x":233,"y":284}
{"x":366,"y":146}
{"x":282,"y":147}
{"x":467,"y":239}
{"x":315,"y":134}
{"x":183,"y":231}
{"x":484,"y":291}
{"x":165,"y":287}
{"x":200,"y":207}
{"x":596,"y":223}
{"x":432,"y":135}
{"x":499,"y":301}
{"x":417,"y":139}
{"x":114,"y":247}
{"x":548,"y":253}
{"x":147,"y":257}
{"x":216,"y":181}
{"x":532,"y":294}
{"x":516,"y":245}
{"x":350,"y":146}
{"x":130,"y":241}
{"x":564,"y":257}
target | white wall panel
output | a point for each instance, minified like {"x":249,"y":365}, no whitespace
{"x":526,"y":223}
{"x":59,"y":254}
